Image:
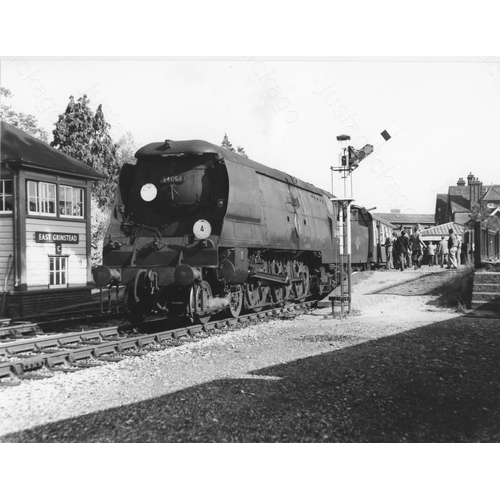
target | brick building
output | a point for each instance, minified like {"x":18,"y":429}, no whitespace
{"x":457,"y":204}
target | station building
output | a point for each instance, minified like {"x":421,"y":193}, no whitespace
{"x":45,"y":222}
{"x":407,"y":221}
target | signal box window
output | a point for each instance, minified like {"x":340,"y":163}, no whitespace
{"x":5,"y":196}
{"x":58,"y":271}
{"x":70,"y":201}
{"x":41,"y":198}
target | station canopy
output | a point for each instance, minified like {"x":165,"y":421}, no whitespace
{"x":19,"y":148}
{"x":437,"y":232}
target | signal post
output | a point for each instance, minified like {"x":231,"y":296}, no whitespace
{"x":349,"y":159}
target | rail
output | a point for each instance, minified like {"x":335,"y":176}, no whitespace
{"x":74,"y":351}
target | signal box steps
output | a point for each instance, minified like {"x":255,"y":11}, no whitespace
{"x":486,"y":291}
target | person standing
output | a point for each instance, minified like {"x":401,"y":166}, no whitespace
{"x":464,"y":250}
{"x":408,"y":250}
{"x":417,"y":246}
{"x":388,"y":253}
{"x":403,"y":245}
{"x":431,"y":248}
{"x":443,"y":251}
{"x":452,"y":250}
{"x":395,"y":250}
{"x":459,"y":252}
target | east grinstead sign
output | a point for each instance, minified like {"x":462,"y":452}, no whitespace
{"x":41,"y":237}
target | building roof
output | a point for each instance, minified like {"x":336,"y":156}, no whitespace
{"x":380,"y":219}
{"x":492,"y":194}
{"x":398,"y":219}
{"x":19,"y":148}
{"x":459,"y":198}
{"x":441,"y":206}
{"x":437,"y":232}
{"x":462,"y":217}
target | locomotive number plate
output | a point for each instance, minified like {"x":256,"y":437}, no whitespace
{"x":172,"y":179}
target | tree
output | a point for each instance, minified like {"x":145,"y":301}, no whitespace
{"x":84,"y":135}
{"x":99,"y":222}
{"x":125,"y":149}
{"x":227,"y":145}
{"x":241,"y":151}
{"x":483,"y":214}
{"x":24,"y":122}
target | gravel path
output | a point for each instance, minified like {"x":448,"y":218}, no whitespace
{"x":398,"y":369}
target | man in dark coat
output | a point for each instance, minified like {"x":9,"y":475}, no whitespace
{"x":417,"y":246}
{"x":402,"y":245}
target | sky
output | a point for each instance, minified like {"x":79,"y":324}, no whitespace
{"x":287,"y":113}
{"x":277,"y":108}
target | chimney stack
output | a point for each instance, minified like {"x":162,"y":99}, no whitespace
{"x":475,"y":188}
{"x":461,"y":182}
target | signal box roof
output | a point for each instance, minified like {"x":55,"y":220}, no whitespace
{"x":19,"y":148}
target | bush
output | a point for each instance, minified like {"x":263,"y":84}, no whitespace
{"x":98,"y":228}
{"x":457,"y":292}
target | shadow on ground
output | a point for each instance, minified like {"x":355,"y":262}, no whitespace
{"x":439,"y":383}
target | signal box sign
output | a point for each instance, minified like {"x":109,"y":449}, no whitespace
{"x":41,"y":237}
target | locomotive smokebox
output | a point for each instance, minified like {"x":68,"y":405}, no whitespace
{"x":103,"y":275}
{"x":184,"y":275}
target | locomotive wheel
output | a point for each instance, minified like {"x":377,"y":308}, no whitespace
{"x":199,"y":297}
{"x":280,"y":294}
{"x":253,"y":294}
{"x":236,"y":304}
{"x":302,"y":287}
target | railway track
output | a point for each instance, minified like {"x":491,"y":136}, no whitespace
{"x":40,"y":356}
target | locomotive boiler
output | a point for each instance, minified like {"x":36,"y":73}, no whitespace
{"x":198,"y":229}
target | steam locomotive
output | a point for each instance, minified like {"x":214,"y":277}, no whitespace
{"x":199,"y":230}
